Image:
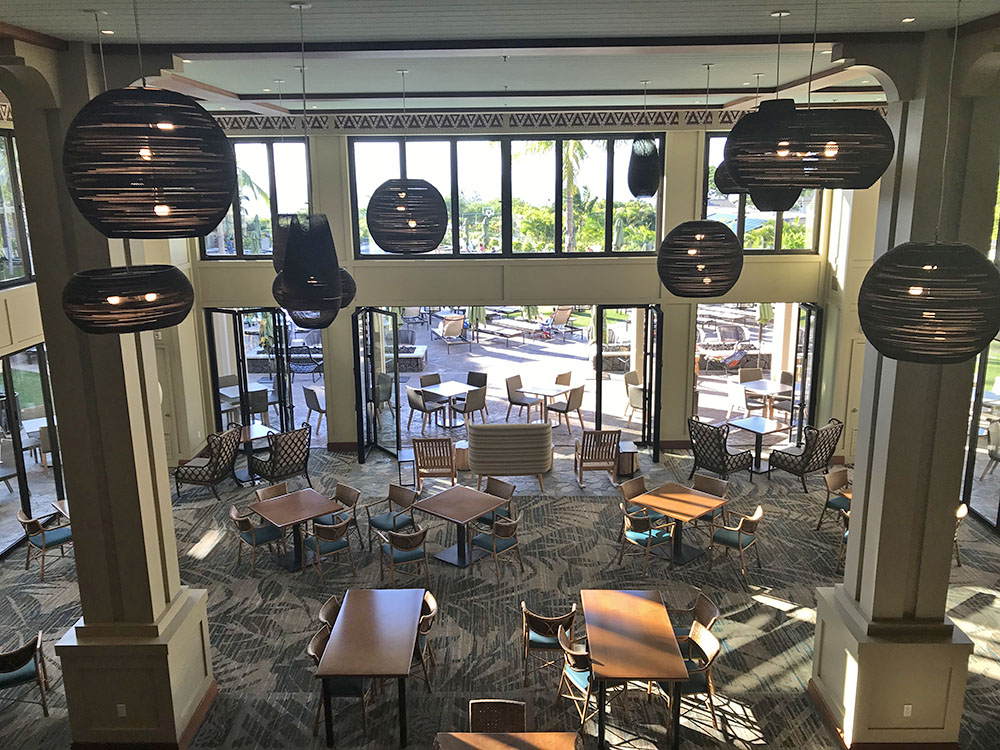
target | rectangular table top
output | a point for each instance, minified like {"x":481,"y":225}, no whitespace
{"x":549,"y":391}
{"x":419,"y":350}
{"x":34,"y":425}
{"x":295,"y":507}
{"x":630,"y":636}
{"x":499,"y":741}
{"x":233,"y":391}
{"x":679,"y":502}
{"x":373,"y":635}
{"x":759,"y":425}
{"x":767,"y":387}
{"x":449,"y":388}
{"x":459,"y":504}
{"x":62,"y":506}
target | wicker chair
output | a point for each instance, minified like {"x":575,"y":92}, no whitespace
{"x":740,"y":537}
{"x":25,"y":665}
{"x":42,"y":538}
{"x":403,"y":549}
{"x":422,"y":650}
{"x":708,"y":444}
{"x":837,"y":484}
{"x":814,"y":455}
{"x":497,"y":716}
{"x":252,"y":536}
{"x":434,"y":457}
{"x":288,"y":455}
{"x":644,"y":532}
{"x":215,"y":465}
{"x":302,"y":362}
{"x":401,"y":497}
{"x":502,"y":539}
{"x":540,"y":634}
{"x":699,"y":667}
{"x":598,"y":451}
{"x":339,"y":687}
{"x":327,"y":540}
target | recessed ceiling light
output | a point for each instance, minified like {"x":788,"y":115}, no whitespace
{"x":185,"y":60}
{"x":109,"y":32}
{"x":746,"y":83}
{"x":780,"y":14}
{"x":221,"y":107}
{"x":314,"y":106}
{"x":908,"y":19}
{"x":267,"y":89}
{"x":867,"y":80}
{"x":827,"y":52}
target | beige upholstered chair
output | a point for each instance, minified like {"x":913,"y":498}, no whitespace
{"x":313,"y":405}
{"x":492,"y":715}
{"x":597,"y":451}
{"x":518,"y":399}
{"x":564,"y":378}
{"x":539,"y":635}
{"x":24,"y":665}
{"x":434,"y":457}
{"x":43,"y":538}
{"x":740,"y":537}
{"x":510,"y":450}
{"x":420,"y":403}
{"x":573,"y":403}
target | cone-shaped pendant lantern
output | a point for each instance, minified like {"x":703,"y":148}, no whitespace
{"x":644,"y":169}
{"x":309,"y":280}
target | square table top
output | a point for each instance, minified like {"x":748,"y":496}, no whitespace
{"x":679,"y":502}
{"x":627,"y":447}
{"x":549,"y":391}
{"x":34,"y":425}
{"x":373,"y":635}
{"x":630,"y":636}
{"x":449,"y":388}
{"x":62,"y":506}
{"x":295,"y":507}
{"x":767,"y":387}
{"x":759,"y":425}
{"x":459,"y":504}
{"x":502,"y":740}
{"x":255,"y":431}
{"x":233,"y":391}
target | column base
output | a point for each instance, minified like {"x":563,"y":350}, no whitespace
{"x":140,"y":692}
{"x":886,"y":690}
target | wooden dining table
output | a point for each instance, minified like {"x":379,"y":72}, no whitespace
{"x":504,"y":740}
{"x":461,"y":505}
{"x":683,"y":504}
{"x":373,"y":637}
{"x":293,"y":510}
{"x":630,"y":638}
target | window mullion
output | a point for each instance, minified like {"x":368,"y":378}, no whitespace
{"x":456,"y":230}
{"x":506,"y":199}
{"x":558,"y":149}
{"x":609,"y":191}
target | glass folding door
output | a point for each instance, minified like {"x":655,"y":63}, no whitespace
{"x":981,"y":488}
{"x":376,"y":380}
{"x":808,"y":337}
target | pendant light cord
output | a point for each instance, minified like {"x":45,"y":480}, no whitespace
{"x":100,"y":48}
{"x":812,"y":57}
{"x":947,"y":127}
{"x":402,"y":75}
{"x":756,"y":96}
{"x":777,"y":65}
{"x":708,"y":82}
{"x":138,"y":40}
{"x":302,"y":68}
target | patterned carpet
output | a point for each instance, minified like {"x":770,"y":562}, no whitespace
{"x":260,"y":623}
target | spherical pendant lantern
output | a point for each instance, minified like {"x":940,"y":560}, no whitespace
{"x":780,"y":146}
{"x":700,"y":259}
{"x":774,"y":198}
{"x":724,"y":181}
{"x":146,"y":162}
{"x":126,"y":299}
{"x":407,"y":216}
{"x":310,"y":278}
{"x":313,"y":319}
{"x":644,"y":169}
{"x":931,"y":302}
{"x":348,"y":288}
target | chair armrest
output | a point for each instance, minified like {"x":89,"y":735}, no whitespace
{"x":382,"y":536}
{"x":687,"y":610}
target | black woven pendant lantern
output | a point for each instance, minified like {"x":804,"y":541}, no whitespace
{"x":724,"y":181}
{"x":309,"y":278}
{"x":644,"y":169}
{"x":774,"y":198}
{"x":313,"y":319}
{"x":348,"y":288}
{"x":780,"y":146}
{"x":931,"y":302}
{"x":700,"y":259}
{"x":126,"y":299}
{"x":407,"y":216}
{"x":146,"y":162}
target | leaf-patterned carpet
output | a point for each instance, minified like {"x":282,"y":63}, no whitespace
{"x":260,"y":622}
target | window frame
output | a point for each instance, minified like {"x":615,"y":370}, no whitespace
{"x":14,"y":170}
{"x":268,"y":142}
{"x":741,"y":212}
{"x":506,"y":193}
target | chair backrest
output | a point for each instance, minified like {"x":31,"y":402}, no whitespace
{"x":258,"y":401}
{"x":384,"y":387}
{"x":706,"y":642}
{"x":475,"y":400}
{"x":330,"y":610}
{"x":600,"y":445}
{"x":639,"y":522}
{"x":993,"y":432}
{"x":346,"y":495}
{"x":411,"y":312}
{"x":711,"y":485}
{"x":631,"y":378}
{"x":786,"y":378}
{"x":433,"y":453}
{"x":241,"y":522}
{"x":504,"y":529}
{"x":428,"y":611}
{"x":275,"y":490}
{"x":31,"y":526}
{"x":560,"y":316}
{"x":11,"y":661}
{"x":821,"y":443}
{"x":317,"y":644}
{"x":708,"y":443}
{"x":453,"y":326}
{"x":415,"y":398}
{"x":312,"y":399}
{"x":226,"y":381}
{"x":635,"y":394}
{"x":575,"y":400}
{"x":477,"y":379}
{"x":222,"y":449}
{"x":406,"y":337}
{"x":845,"y":521}
{"x":290,"y":450}
{"x":748,"y":524}
{"x":751,"y":373}
{"x":564,"y":378}
{"x":406,"y":540}
{"x":705,"y":611}
{"x":577,"y":657}
{"x":547,"y":627}
{"x":494,"y":715}
{"x":431,"y":378}
{"x":401,"y":497}
{"x":7,"y":452}
{"x":335,"y":531}
{"x":633,"y":488}
{"x":43,"y":439}
{"x":836,"y":480}
{"x":513,"y":384}
{"x":499,"y":488}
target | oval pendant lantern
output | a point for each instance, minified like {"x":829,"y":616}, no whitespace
{"x":313,"y":319}
{"x":348,"y":287}
{"x":147,"y":162}
{"x":724,"y":181}
{"x":700,"y":259}
{"x":309,"y":279}
{"x":931,"y":302}
{"x":774,"y":198}
{"x":644,"y":168}
{"x":407,"y":216}
{"x":127,"y":299}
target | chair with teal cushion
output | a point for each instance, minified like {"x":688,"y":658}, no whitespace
{"x":741,"y":537}
{"x":838,"y":486}
{"x":704,"y":610}
{"x":502,"y":539}
{"x":718,"y":488}
{"x":400,"y":549}
{"x":575,"y":682}
{"x":23,"y":666}
{"x":422,"y":651}
{"x":393,"y":520}
{"x":253,"y":536}
{"x":348,"y":497}
{"x":541,"y":634}
{"x":699,"y":667}
{"x":642,"y":531}
{"x":44,"y":538}
{"x":328,"y":539}
{"x":632,"y":489}
{"x":339,"y":687}
{"x":501,"y":489}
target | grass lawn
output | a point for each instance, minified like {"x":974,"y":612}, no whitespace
{"x":28,"y":386}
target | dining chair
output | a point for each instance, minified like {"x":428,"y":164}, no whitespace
{"x":703,"y":610}
{"x":597,"y":451}
{"x":313,"y":405}
{"x":287,"y":455}
{"x":434,"y":457}
{"x":564,"y":378}
{"x":259,"y":401}
{"x":479,"y":380}
{"x":400,"y":497}
{"x":475,"y":401}
{"x":8,"y":464}
{"x":330,"y":610}
{"x":960,"y":513}
{"x":23,"y":666}
{"x":992,"y":448}
{"x":422,"y":650}
{"x":348,"y":497}
{"x":43,"y":538}
{"x":420,"y":402}
{"x":575,"y":682}
{"x":429,"y":379}
{"x":636,"y":403}
{"x":844,"y":516}
{"x":710,"y":486}
{"x":632,"y":489}
{"x":540,"y":638}
{"x":643,"y":532}
{"x":44,"y":447}
{"x":494,"y":715}
{"x":501,"y":489}
{"x":401,"y":549}
{"x":573,"y":403}
{"x":326,"y":540}
{"x":500,"y":540}
{"x":699,"y":666}
{"x":339,"y":687}
{"x":837,"y":483}
{"x":520,"y":400}
{"x":252,"y":536}
{"x":740,"y":537}
{"x":270,"y":492}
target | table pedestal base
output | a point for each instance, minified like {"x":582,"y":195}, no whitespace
{"x":453,"y":556}
{"x":762,"y":469}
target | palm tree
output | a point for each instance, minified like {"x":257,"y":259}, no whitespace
{"x":573,"y":154}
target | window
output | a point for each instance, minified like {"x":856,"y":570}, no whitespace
{"x":272,"y":178}
{"x":514,"y":195}
{"x":792,"y":231}
{"x":15,"y":257}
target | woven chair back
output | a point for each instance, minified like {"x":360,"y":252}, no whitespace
{"x":633,"y":488}
{"x":820,"y":444}
{"x":317,"y":644}
{"x":290,"y":451}
{"x":346,"y":495}
{"x":711,"y":485}
{"x":497,"y":716}
{"x":268,"y":493}
{"x":548,"y":627}
{"x":708,"y":443}
{"x":499,"y":488}
{"x":504,"y":529}
{"x":433,"y":454}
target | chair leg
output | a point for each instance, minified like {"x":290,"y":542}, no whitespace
{"x":958,"y":553}
{"x":621,"y":550}
{"x":41,"y":689}
{"x":580,"y":415}
{"x":410,"y":420}
{"x":43,"y":563}
{"x":756,"y":550}
{"x":822,"y":513}
{"x":509,"y":407}
{"x":541,"y":484}
{"x":27,"y":559}
{"x":253,"y":558}
{"x":804,"y":488}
